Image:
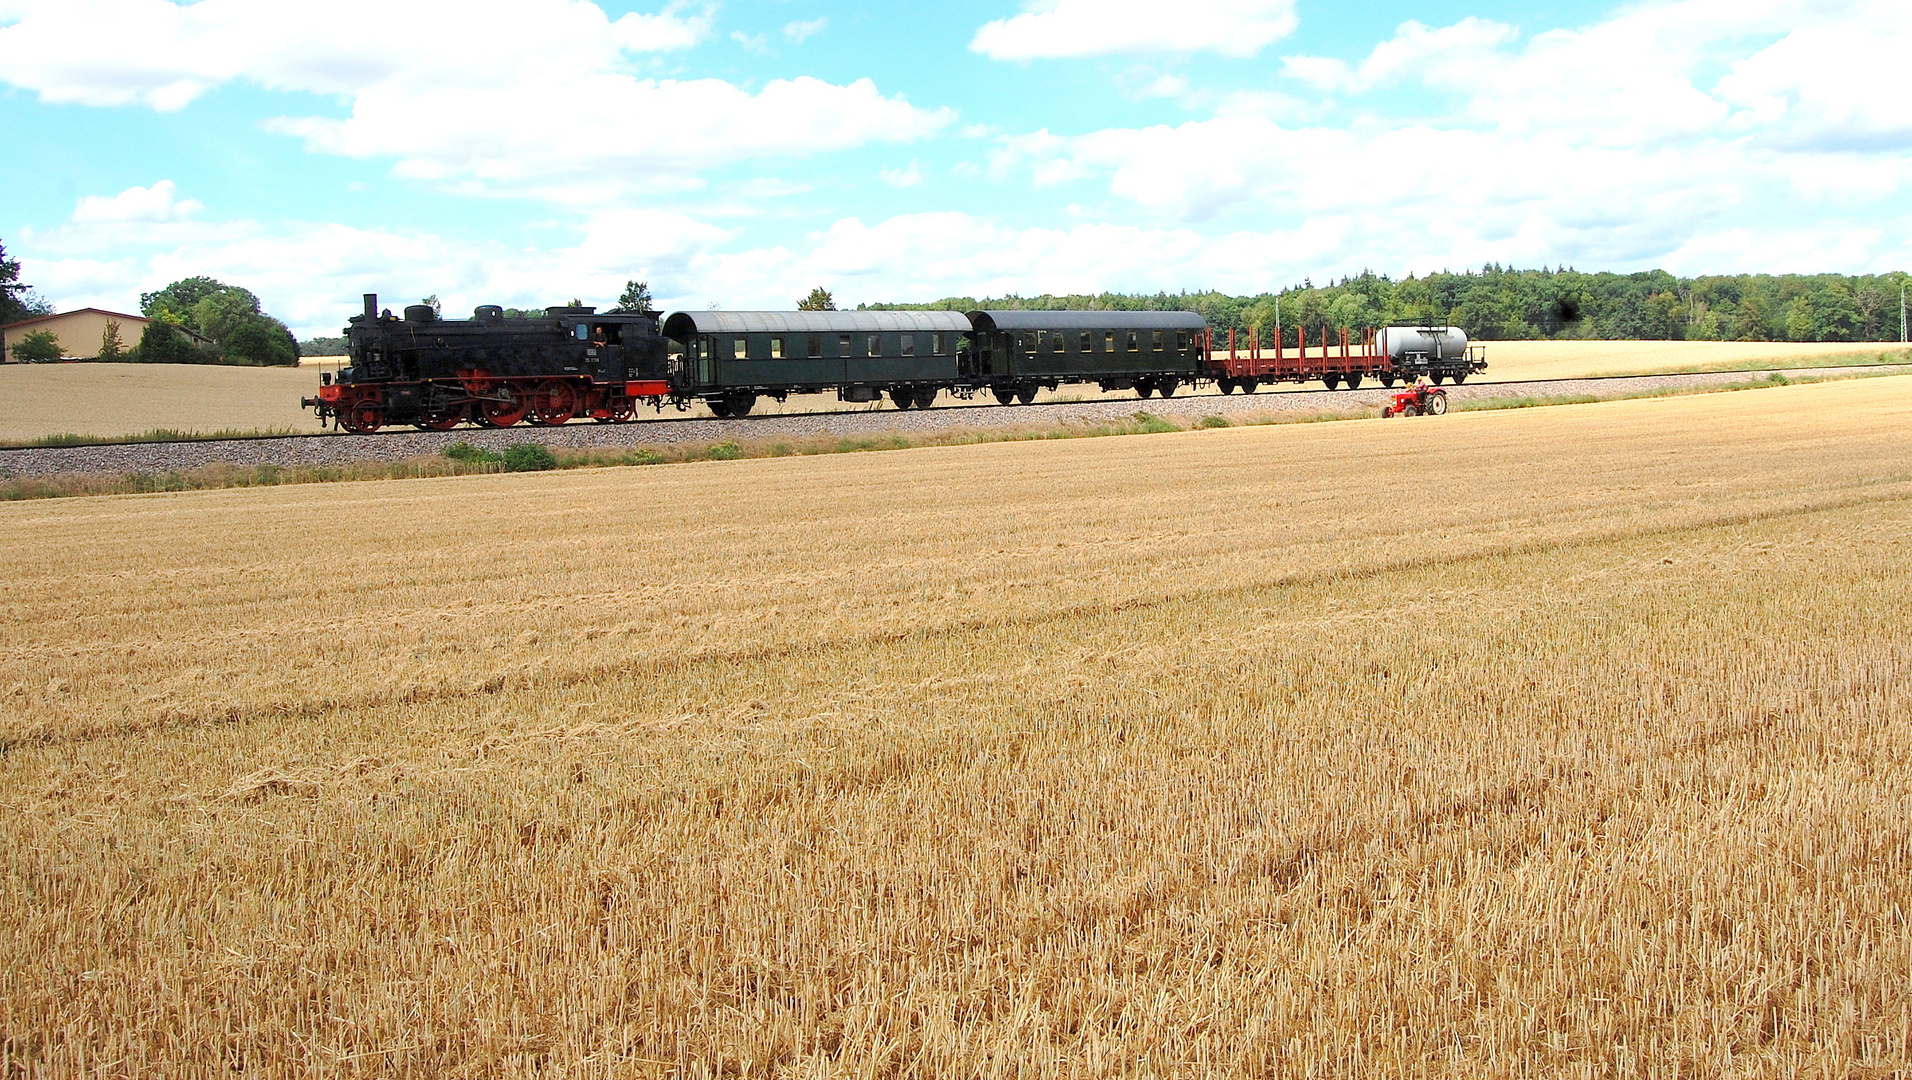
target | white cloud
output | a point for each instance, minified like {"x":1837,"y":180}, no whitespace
{"x":756,"y":43}
{"x":908,"y":176}
{"x":525,"y":96}
{"x":1068,"y":28}
{"x":154,"y":203}
{"x":798,"y":31}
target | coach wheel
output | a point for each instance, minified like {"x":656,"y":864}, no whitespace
{"x":362,"y":418}
{"x":719,"y":407}
{"x":926,"y":397}
{"x":903,"y":396}
{"x":1026,"y":395}
{"x":1144,"y":389}
{"x":740,"y":404}
{"x":501,"y":411}
{"x":555,"y":402}
{"x":1436,"y":404}
{"x":1166,"y":387}
{"x":1352,"y":380}
{"x":1332,"y":382}
{"x":1005,"y":395}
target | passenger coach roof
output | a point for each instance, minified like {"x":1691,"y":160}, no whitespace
{"x":683,"y":324}
{"x":1087,"y":320}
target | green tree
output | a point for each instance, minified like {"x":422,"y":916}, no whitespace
{"x":111,"y":347}
{"x":636,"y":297}
{"x":228,"y":315}
{"x":17,"y":301}
{"x":181,"y":297}
{"x":818,"y":300}
{"x":1749,"y":322}
{"x":37,"y":347}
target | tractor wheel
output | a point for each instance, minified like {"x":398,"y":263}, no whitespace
{"x":1410,"y":410}
{"x":902,"y":396}
{"x":1387,"y":411}
{"x":1436,"y":404}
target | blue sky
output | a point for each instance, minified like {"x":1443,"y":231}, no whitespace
{"x":737,"y":153}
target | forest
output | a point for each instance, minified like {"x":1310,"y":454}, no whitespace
{"x":1497,"y":303}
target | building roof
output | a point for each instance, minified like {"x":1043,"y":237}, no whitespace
{"x":1087,"y":320}
{"x":76,"y":311}
{"x":682,"y":324}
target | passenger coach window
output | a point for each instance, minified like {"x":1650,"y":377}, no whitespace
{"x":1108,"y":341}
{"x":1132,"y":341}
{"x":909,"y":344}
{"x":1060,"y":342}
{"x":740,"y":349}
{"x":776,"y":348}
{"x":876,"y":344}
{"x":936,"y":344}
{"x":1042,"y":340}
{"x":816,"y":345}
{"x":1087,"y":343}
{"x":1158,"y":341}
{"x":843,"y":344}
{"x":1181,"y":339}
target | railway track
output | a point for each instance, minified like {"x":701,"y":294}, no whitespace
{"x":334,"y":448}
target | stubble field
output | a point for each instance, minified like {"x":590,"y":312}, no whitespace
{"x":1554,"y":742}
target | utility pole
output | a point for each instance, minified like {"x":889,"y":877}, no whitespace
{"x":1902,"y":340}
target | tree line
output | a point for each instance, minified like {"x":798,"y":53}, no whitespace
{"x":1497,"y":303}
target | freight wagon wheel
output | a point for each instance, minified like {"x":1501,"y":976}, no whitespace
{"x":1352,"y":380}
{"x":1332,"y":382}
{"x":1438,"y":377}
{"x":362,"y":418}
{"x":1460,"y":377}
{"x":501,"y":411}
{"x":1226,"y":386}
{"x":902,"y":396}
{"x":1437,"y":405}
{"x":926,"y":397}
{"x":1387,"y":378}
{"x":555,"y":402}
{"x":1410,"y":410}
{"x":1005,"y":395}
{"x":1250,"y":385}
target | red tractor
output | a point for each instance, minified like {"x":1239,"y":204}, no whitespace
{"x":1416,"y":400}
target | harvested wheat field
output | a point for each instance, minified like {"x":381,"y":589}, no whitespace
{"x":1553,"y":742}
{"x":1508,"y":360}
{"x":112,"y":400}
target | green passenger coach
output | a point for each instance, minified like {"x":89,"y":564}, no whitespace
{"x":729,"y":358}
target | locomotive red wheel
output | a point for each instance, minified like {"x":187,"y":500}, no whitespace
{"x":555,"y":402}
{"x":362,"y":417}
{"x":443,"y":420}
{"x":501,"y":411}
{"x":616,"y":412}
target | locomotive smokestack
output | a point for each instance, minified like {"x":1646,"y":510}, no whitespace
{"x":371,"y":307}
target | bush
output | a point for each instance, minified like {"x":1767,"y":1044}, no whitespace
{"x":1215,"y":421}
{"x":725,"y":451}
{"x":464,"y":451}
{"x":38,"y":347}
{"x":1152,"y":424}
{"x":529,"y":457}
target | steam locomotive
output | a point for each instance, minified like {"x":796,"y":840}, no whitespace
{"x":495,"y":371}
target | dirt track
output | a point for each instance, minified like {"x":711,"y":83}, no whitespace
{"x":399,"y":444}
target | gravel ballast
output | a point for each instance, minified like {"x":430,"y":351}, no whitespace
{"x":401,"y":444}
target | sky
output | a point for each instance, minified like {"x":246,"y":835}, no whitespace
{"x":736,"y":153}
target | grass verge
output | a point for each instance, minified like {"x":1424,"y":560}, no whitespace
{"x":152,"y":435}
{"x":462,"y":459}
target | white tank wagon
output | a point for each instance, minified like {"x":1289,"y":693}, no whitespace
{"x":1439,"y":352}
